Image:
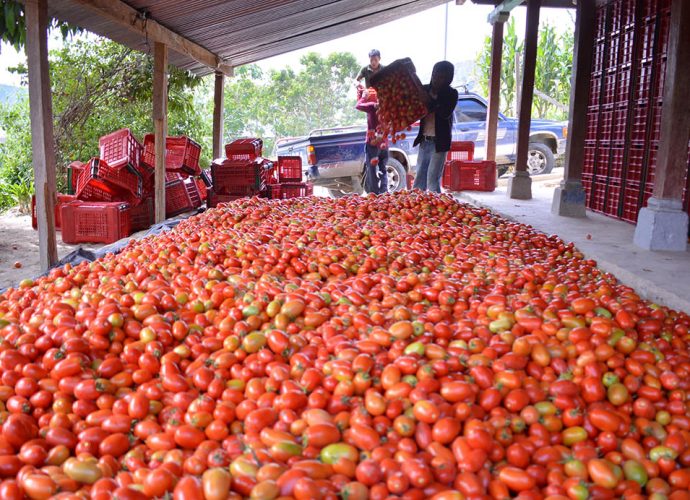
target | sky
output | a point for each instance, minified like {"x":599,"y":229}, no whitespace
{"x":419,"y":37}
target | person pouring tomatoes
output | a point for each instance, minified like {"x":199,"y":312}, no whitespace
{"x":376,"y":146}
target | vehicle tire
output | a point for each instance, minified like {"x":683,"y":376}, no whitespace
{"x":397,"y":175}
{"x":338,"y":193}
{"x":540,"y":159}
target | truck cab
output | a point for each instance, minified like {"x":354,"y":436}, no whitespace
{"x":334,"y":158}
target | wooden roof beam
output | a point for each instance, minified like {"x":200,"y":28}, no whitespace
{"x":121,"y":13}
{"x":507,"y":5}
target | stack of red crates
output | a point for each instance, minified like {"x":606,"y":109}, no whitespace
{"x":624,"y":114}
{"x":462,"y":173}
{"x":242,"y":173}
{"x":289,"y":183}
{"x":113,"y":194}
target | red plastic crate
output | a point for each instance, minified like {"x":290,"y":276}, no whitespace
{"x":611,"y":60}
{"x":214,"y":199}
{"x":142,"y":216}
{"x":472,"y":175}
{"x":126,"y":178}
{"x":609,"y":96}
{"x":613,"y":194}
{"x":268,"y":173}
{"x":598,"y":59}
{"x":623,"y":86}
{"x":236,"y":178}
{"x":193,"y":192}
{"x":639,"y":124}
{"x":288,"y":190}
{"x":590,"y":154}
{"x":459,"y":151}
{"x":627,"y":37}
{"x":587,"y":186}
{"x":95,"y":222}
{"x":206,"y":177}
{"x":620,"y":120}
{"x":181,"y":154}
{"x":616,"y":166}
{"x":631,"y":200}
{"x":181,"y":196}
{"x":75,"y":169}
{"x":62,"y":199}
{"x":247,"y":149}
{"x":203,"y":190}
{"x":605,"y":124}
{"x":595,"y":88}
{"x":120,"y":149}
{"x":592,"y":123}
{"x":289,"y":169}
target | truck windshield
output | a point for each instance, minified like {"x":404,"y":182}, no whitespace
{"x":470,"y":110}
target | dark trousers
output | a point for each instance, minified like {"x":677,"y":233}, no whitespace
{"x":376,"y":178}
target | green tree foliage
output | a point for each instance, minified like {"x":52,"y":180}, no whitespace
{"x":552,"y":74}
{"x":13,"y":24}
{"x":99,"y":86}
{"x":291,"y":102}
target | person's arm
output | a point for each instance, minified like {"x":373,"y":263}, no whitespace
{"x":361,"y":74}
{"x":366,"y":106}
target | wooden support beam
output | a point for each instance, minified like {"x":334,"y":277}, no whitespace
{"x":672,"y":157}
{"x":494,"y":90}
{"x":160,"y":123}
{"x":42,"y":140}
{"x":119,"y":12}
{"x":218,"y":103}
{"x":579,"y":90}
{"x":527,"y":88}
{"x":569,"y":197}
{"x":520,"y":184}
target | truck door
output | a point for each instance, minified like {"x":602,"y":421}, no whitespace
{"x":470,"y":125}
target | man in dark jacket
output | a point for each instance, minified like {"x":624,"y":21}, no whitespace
{"x":436,"y":128}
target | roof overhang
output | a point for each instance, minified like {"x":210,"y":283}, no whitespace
{"x":215,"y":35}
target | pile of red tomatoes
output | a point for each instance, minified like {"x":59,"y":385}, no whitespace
{"x":399,"y":103}
{"x":403,"y":345}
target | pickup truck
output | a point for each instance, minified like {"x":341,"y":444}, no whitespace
{"x":334,"y":158}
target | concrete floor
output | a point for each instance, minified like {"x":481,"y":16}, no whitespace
{"x":661,"y":277}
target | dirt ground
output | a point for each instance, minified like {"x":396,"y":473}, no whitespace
{"x":19,"y":244}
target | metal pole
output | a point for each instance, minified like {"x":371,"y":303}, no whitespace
{"x":445,"y":37}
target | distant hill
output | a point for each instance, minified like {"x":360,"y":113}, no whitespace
{"x":10,"y":94}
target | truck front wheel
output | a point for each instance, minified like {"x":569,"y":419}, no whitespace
{"x":397,"y":175}
{"x":540,"y":159}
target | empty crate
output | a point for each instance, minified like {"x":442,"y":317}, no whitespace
{"x":471,"y":175}
{"x":95,"y":222}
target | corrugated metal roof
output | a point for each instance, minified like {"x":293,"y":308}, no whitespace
{"x":243,"y":31}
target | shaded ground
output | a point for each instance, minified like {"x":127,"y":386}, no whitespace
{"x":19,"y":243}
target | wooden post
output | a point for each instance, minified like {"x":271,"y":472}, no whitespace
{"x":569,"y":198}
{"x":160,"y":122}
{"x":520,"y":185}
{"x":218,"y":103}
{"x":672,"y":157}
{"x":42,"y":140}
{"x":494,"y":89}
{"x":662,"y":224}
